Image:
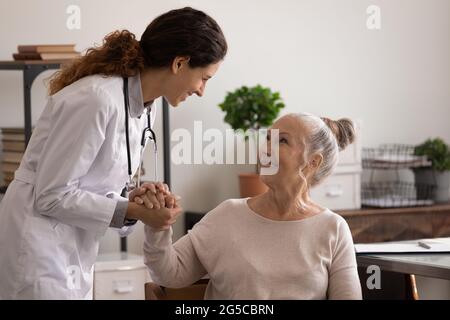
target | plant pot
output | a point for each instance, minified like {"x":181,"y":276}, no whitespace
{"x":250,"y":185}
{"x":439,"y":180}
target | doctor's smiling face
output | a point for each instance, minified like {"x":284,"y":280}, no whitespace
{"x":184,"y":81}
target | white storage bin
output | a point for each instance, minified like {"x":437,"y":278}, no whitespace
{"x":342,"y":190}
{"x":120,"y":276}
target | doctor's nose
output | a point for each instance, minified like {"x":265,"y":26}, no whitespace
{"x":200,"y":91}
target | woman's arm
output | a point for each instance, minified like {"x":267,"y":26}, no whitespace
{"x":171,"y":265}
{"x":343,"y":281}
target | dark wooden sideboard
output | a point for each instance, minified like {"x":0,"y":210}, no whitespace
{"x":395,"y":224}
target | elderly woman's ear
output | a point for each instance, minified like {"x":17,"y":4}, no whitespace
{"x":316,"y":161}
{"x":313,"y":164}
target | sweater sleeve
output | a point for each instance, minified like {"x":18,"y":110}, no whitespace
{"x":343,"y":282}
{"x":171,"y":265}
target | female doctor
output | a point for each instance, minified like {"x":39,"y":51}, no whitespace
{"x":85,"y":146}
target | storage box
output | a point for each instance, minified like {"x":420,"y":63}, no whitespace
{"x":342,"y":190}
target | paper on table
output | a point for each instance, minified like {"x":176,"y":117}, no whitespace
{"x":436,"y":245}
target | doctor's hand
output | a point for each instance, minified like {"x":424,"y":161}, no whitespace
{"x":158,"y":201}
{"x":158,"y":219}
{"x":152,"y":195}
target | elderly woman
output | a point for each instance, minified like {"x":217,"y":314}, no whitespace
{"x":278,"y":245}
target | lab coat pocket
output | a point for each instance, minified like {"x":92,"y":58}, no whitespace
{"x":38,"y":249}
{"x":65,"y":240}
{"x":40,"y":231}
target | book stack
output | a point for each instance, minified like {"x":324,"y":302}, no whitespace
{"x":13,"y":142}
{"x":46,"y":52}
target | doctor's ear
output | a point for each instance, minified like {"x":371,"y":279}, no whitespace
{"x":179,"y":63}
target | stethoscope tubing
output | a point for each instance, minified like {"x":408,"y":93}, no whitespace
{"x":143,"y":138}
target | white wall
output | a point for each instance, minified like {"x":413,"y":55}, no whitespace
{"x":318,"y":54}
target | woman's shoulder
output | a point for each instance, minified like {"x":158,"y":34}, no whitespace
{"x":332,"y":221}
{"x":96,"y":85}
{"x":213,"y":222}
{"x":95,"y":92}
{"x":226,"y":209}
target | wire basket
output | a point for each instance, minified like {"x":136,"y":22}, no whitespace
{"x":396,"y":194}
{"x":392,"y":156}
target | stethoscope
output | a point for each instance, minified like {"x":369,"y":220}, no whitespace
{"x":147,"y":133}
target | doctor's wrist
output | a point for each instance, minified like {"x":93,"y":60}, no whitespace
{"x":134,"y":211}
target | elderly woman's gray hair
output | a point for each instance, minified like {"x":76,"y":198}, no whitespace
{"x":326,"y":137}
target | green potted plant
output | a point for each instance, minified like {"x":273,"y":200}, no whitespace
{"x":438,"y":175}
{"x":247,"y":109}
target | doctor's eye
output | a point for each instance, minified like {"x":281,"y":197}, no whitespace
{"x":283,"y":140}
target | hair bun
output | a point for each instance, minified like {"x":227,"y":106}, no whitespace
{"x":343,"y":130}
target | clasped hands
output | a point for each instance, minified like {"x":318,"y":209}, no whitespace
{"x":154,"y":205}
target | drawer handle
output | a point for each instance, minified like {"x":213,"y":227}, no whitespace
{"x":335,"y":191}
{"x":123,"y":287}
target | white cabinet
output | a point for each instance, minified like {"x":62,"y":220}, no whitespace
{"x":339,"y":191}
{"x":342,"y":190}
{"x":120,"y":276}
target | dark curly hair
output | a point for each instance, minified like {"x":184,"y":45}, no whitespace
{"x":180,"y":32}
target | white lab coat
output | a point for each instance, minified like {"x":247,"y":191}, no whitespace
{"x":60,"y":204}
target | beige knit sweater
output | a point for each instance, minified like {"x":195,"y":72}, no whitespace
{"x":247,"y":256}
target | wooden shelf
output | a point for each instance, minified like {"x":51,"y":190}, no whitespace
{"x":373,"y":211}
{"x":33,"y":62}
{"x":30,"y":69}
{"x":396,"y":224}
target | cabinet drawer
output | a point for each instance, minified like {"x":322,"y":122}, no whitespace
{"x":340,"y":191}
{"x":120,"y":284}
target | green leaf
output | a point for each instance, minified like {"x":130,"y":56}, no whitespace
{"x":251,"y":107}
{"x":437,"y":151}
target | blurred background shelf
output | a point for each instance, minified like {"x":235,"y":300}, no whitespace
{"x":396,"y":191}
{"x":395,"y":224}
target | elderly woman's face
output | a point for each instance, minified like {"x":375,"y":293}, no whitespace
{"x":292,"y":133}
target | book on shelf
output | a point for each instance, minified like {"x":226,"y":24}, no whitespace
{"x":13,"y":145}
{"x":13,"y":137}
{"x":13,"y":134}
{"x":8,"y":177}
{"x":8,"y":170}
{"x":46,"y":48}
{"x":46,"y":52}
{"x":13,"y":130}
{"x":9,"y":167}
{"x":12,"y":157}
{"x":46,"y":56}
